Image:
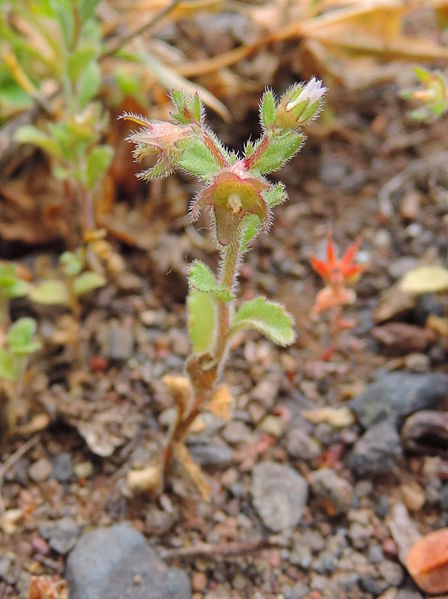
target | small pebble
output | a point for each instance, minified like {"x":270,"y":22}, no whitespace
{"x":83,"y":469}
{"x":272,"y":425}
{"x":40,"y":470}
{"x":62,"y":469}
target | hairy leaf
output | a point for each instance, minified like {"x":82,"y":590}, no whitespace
{"x":267,"y":109}
{"x":89,"y":83}
{"x":202,"y":279}
{"x":282,"y":147}
{"x":275,"y":195}
{"x":268,"y":318}
{"x":196,"y":158}
{"x":201,"y":320}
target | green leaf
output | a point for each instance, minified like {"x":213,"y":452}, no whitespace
{"x":88,"y":84}
{"x":202,"y":279}
{"x":19,"y":289}
{"x":98,"y":162}
{"x":425,"y":279}
{"x":50,"y":292}
{"x":7,"y":366}
{"x":196,"y":158}
{"x":20,"y":337}
{"x":86,"y":282}
{"x":71,"y":263}
{"x":87,"y":8}
{"x":267,"y":109}
{"x":282,"y":147}
{"x":189,"y":108}
{"x":201,"y":320}
{"x":28,"y":134}
{"x":62,"y":9}
{"x":275,"y":195}
{"x":79,"y":61}
{"x":269,"y":318}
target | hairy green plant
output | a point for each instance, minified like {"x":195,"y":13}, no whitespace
{"x":431,"y":96}
{"x":240,"y":201}
{"x":21,"y":343}
{"x":76,"y":281}
{"x":62,"y":52}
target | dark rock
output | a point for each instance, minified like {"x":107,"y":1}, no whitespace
{"x":62,"y":467}
{"x":61,"y":534}
{"x":373,"y":585}
{"x":426,"y":305}
{"x":396,"y":395}
{"x":301,"y":446}
{"x":117,"y":563}
{"x":279,"y":495}
{"x":376,"y":451}
{"x":214,"y":455}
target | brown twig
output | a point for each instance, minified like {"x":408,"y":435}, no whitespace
{"x":218,"y":549}
{"x":13,"y":459}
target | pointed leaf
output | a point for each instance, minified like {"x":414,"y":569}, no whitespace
{"x":89,"y":83}
{"x":282,"y":147}
{"x":50,"y":292}
{"x":275,"y":195}
{"x":196,"y":159}
{"x":201,"y":320}
{"x":87,"y":281}
{"x":202,"y":279}
{"x":267,"y":109}
{"x":268,"y":318}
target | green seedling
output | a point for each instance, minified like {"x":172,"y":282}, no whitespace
{"x":76,"y":281}
{"x":239,"y":201}
{"x":432,"y":96}
{"x":10,"y":287}
{"x":67,"y":54}
{"x":21,"y":343}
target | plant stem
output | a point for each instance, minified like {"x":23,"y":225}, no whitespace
{"x":230,"y":257}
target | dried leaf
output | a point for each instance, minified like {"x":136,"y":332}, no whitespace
{"x":425,"y":279}
{"x":191,"y":470}
{"x":45,"y":587}
{"x":147,"y":480}
{"x":221,"y":403}
{"x":337,"y":417}
{"x":428,"y":562}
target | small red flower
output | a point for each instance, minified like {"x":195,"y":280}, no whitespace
{"x":338,"y":274}
{"x":334,"y":271}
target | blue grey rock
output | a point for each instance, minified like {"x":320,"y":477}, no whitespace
{"x":396,"y":395}
{"x":279,"y":495}
{"x":117,"y":563}
{"x":376,"y":451}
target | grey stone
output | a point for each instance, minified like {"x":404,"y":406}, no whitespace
{"x":62,"y":467}
{"x":391,"y":572}
{"x":376,"y":451}
{"x":40,"y":470}
{"x":328,"y":486}
{"x":117,"y":563}
{"x":9,"y":568}
{"x":279,"y":495}
{"x":396,"y":395}
{"x":214,"y":455}
{"x":61,"y":534}
{"x":116,"y":341}
{"x":301,"y":446}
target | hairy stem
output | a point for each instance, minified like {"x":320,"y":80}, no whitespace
{"x":259,"y":151}
{"x":230,"y":257}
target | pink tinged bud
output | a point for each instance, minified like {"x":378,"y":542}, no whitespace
{"x":233,"y":194}
{"x":157,"y":138}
